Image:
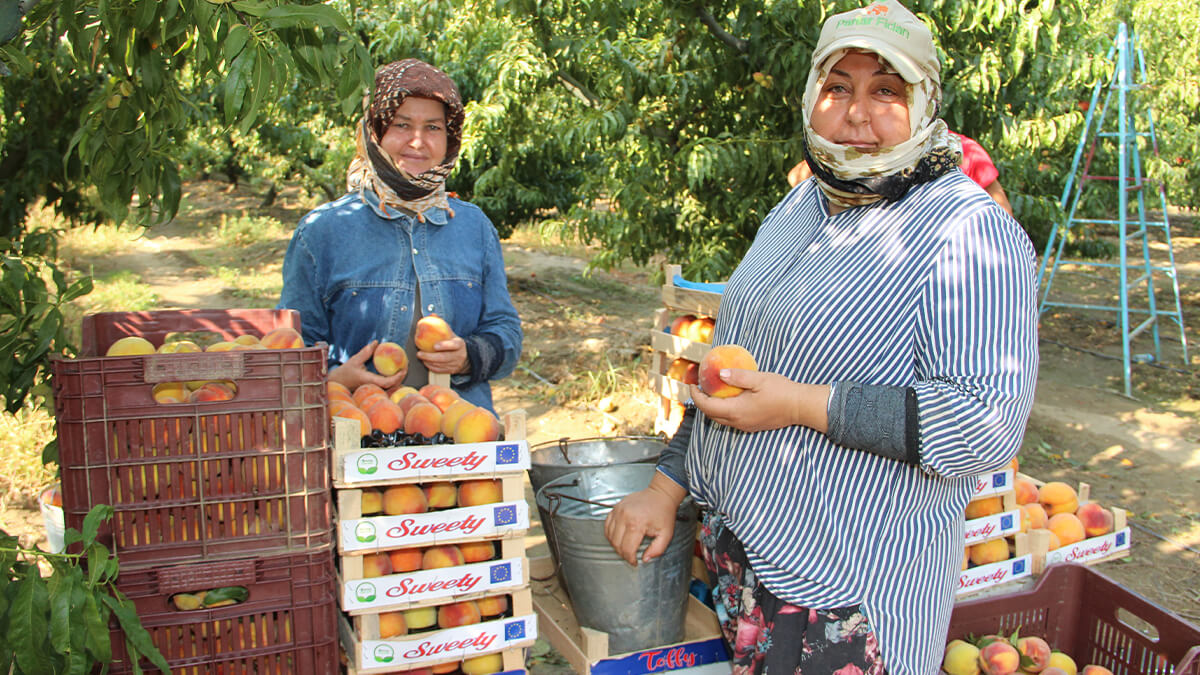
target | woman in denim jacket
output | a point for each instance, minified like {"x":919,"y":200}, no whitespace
{"x":363,"y":269}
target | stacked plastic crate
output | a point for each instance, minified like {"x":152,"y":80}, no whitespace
{"x":442,"y":583}
{"x":681,"y":336}
{"x":222,"y":501}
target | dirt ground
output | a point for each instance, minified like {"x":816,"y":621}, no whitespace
{"x":588,"y":332}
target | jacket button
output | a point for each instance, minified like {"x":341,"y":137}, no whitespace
{"x":415,"y":251}
{"x":431,"y":308}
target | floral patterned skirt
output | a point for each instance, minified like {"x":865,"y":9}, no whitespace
{"x":769,"y":636}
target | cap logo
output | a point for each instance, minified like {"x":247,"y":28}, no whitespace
{"x":877,"y":9}
{"x":875,"y":21}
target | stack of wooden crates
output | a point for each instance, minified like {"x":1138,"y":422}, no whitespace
{"x":671,"y":349}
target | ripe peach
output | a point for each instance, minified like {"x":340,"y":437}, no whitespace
{"x":999,"y":658}
{"x":376,"y":565}
{"x":961,"y":658}
{"x":987,"y":506}
{"x":384,"y":415}
{"x":130,"y":345}
{"x":399,"y":393}
{"x":1035,"y":652}
{"x":389,"y":358}
{"x":365,"y":391}
{"x":213,"y":391}
{"x":1067,"y":527}
{"x":1027,"y":492}
{"x":458,"y":614}
{"x":492,"y":606}
{"x":1093,"y":669}
{"x":1096,"y":519}
{"x":1054,"y":670}
{"x":680,"y":324}
{"x":483,"y":665}
{"x":1058,"y":497}
{"x":477,"y":426}
{"x":424,"y":419}
{"x":477,"y":551}
{"x":169,"y":392}
{"x":179,"y":347}
{"x":372,"y":501}
{"x":685,"y":371}
{"x":409,"y":401}
{"x":451,"y":415}
{"x":1015,"y":465}
{"x":223,"y":346}
{"x":354,"y":413}
{"x":440,"y":396}
{"x":1061,"y":661}
{"x":1033,"y":517}
{"x":987,"y":552}
{"x":337,"y":390}
{"x":402,"y":499}
{"x":446,"y":555}
{"x":282,"y":338}
{"x":392,"y":624}
{"x":431,"y":330}
{"x":247,"y":339}
{"x":444,"y":668}
{"x":440,"y":495}
{"x":421,"y":617}
{"x":239,"y":347}
{"x":718,"y":358}
{"x":701,"y":330}
{"x":478,"y":492}
{"x":406,"y":559}
{"x":1054,"y":542}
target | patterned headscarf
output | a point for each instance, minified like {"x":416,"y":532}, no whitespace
{"x":373,"y":169}
{"x":849,"y":177}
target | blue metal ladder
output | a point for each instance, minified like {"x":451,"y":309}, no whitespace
{"x":1129,"y":62}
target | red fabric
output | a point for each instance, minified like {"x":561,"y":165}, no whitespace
{"x":976,"y":163}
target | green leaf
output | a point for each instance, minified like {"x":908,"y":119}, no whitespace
{"x":287,"y":16}
{"x":95,"y":621}
{"x":91,"y":522}
{"x":27,"y":626}
{"x":235,"y":41}
{"x":61,"y":587}
{"x":135,"y":634}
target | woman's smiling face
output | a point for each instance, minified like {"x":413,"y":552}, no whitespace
{"x":416,"y":138}
{"x":862,"y":106}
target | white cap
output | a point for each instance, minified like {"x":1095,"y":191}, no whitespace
{"x":888,"y":29}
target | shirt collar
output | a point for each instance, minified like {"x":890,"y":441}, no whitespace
{"x":436,"y":216}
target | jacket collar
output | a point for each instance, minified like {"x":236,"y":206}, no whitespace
{"x":434,"y":216}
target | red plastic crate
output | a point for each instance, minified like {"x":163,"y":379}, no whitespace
{"x":192,"y":482}
{"x":1093,"y":619}
{"x":288,"y":624}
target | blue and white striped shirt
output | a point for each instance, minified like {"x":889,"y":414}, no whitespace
{"x":934,"y":292}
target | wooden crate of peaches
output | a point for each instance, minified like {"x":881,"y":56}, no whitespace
{"x":681,"y":336}
{"x":1065,"y":525}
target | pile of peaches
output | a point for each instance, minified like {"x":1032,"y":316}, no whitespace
{"x":196,"y":391}
{"x":696,"y":329}
{"x":407,"y":416}
{"x":1053,"y":507}
{"x":999,"y":655}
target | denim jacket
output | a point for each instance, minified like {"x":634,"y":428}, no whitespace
{"x":353,"y":266}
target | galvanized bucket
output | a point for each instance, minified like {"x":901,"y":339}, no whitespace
{"x":638,"y":607}
{"x":552,"y":459}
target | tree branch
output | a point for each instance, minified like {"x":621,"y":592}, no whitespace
{"x":720,"y":33}
{"x":577,"y":88}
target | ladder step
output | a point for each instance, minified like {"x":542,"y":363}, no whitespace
{"x":1140,"y":280}
{"x":1143,"y":326}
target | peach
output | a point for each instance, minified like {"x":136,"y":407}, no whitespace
{"x":223,"y":346}
{"x":213,"y":391}
{"x":403,"y":499}
{"x":421,"y":617}
{"x":169,"y":392}
{"x":409,"y":401}
{"x":392,"y":624}
{"x":961,"y":658}
{"x":451,"y":415}
{"x":440,"y":495}
{"x":372,"y":501}
{"x":1054,"y":670}
{"x":701,"y":330}
{"x":458,"y":614}
{"x":478,"y":492}
{"x":1068,"y":528}
{"x":238,"y":347}
{"x":477,"y":426}
{"x":492,"y":606}
{"x":444,"y":668}
{"x":999,"y":658}
{"x":389,"y":358}
{"x":1093,"y":669}
{"x":376,"y":565}
{"x":179,"y":347}
{"x":966,"y":557}
{"x":1096,"y":519}
{"x":1058,"y":497}
{"x":987,"y":552}
{"x":352,"y":412}
{"x":406,"y":559}
{"x":685,"y":371}
{"x":424,"y":419}
{"x":399,"y":393}
{"x":1054,"y":542}
{"x":1035,"y":654}
{"x":1027,"y":492}
{"x":384,"y":415}
{"x":430,"y":331}
{"x":1015,"y":465}
{"x":1033,"y":517}
{"x":477,"y":551}
{"x":437,"y":557}
{"x":365,"y":391}
{"x":440,"y":396}
{"x":283,"y":337}
{"x":337,"y":390}
{"x":247,"y":340}
{"x":718,"y":358}
{"x":980,"y":508}
{"x":483,"y":665}
{"x":130,"y":345}
{"x":680,"y":324}
{"x":1061,"y":661}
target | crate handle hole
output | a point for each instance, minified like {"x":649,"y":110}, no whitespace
{"x":1137,"y":623}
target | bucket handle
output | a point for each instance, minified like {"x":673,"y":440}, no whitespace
{"x":567,"y":440}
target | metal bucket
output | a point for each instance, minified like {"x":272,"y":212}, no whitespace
{"x":638,"y":607}
{"x":552,"y":459}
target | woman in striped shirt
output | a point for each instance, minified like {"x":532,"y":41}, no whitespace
{"x":890,"y":306}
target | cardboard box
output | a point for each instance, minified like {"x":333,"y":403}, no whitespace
{"x":994,"y":483}
{"x":983,"y":577}
{"x":587,"y":650}
{"x":429,"y":587}
{"x":992,"y":527}
{"x":441,"y":646}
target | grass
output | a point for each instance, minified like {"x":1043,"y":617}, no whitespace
{"x":23,"y":436}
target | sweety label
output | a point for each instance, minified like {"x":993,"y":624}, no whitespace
{"x":986,"y":576}
{"x":399,"y":589}
{"x":386,"y":532}
{"x":466,"y":459}
{"x":1091,"y":549}
{"x":993,"y":483}
{"x":992,"y":527}
{"x":453,"y":643}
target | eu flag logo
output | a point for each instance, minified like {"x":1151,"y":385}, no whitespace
{"x":506,"y":515}
{"x":999,"y":479}
{"x":1018,"y":566}
{"x":514,"y":630}
{"x":501,"y":573}
{"x":507,"y":453}
{"x":1006,"y":522}
{"x":1121,"y":538}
